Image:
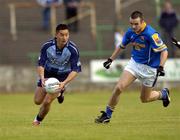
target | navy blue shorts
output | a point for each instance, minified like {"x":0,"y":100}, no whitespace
{"x":47,"y":74}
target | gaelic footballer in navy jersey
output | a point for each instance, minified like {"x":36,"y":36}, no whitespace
{"x":59,"y":58}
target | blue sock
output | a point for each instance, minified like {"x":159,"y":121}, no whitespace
{"x":164,"y":94}
{"x":109,"y":111}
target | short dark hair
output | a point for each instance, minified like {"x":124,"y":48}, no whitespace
{"x":137,"y":14}
{"x":61,"y":27}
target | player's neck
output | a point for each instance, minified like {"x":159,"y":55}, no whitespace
{"x":60,"y":46}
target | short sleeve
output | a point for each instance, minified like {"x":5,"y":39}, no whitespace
{"x":42,"y":57}
{"x":125,"y":40}
{"x":157,"y":43}
{"x":75,"y":60}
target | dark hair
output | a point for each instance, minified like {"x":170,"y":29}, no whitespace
{"x":61,"y":27}
{"x":137,"y":14}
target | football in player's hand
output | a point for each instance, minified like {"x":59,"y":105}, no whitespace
{"x":52,"y":85}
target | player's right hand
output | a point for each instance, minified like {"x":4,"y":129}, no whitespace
{"x":107,"y":63}
{"x":175,"y":42}
{"x":160,"y":71}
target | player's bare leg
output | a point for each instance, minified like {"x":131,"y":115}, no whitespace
{"x":46,"y":104}
{"x":149,"y":95}
{"x":44,"y":108}
{"x":126,"y":79}
{"x":39,"y":95}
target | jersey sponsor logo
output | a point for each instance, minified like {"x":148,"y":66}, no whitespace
{"x":158,"y":41}
{"x":137,"y":46}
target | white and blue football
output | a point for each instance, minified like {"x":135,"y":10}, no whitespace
{"x":51,"y":85}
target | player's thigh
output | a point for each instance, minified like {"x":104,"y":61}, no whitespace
{"x":39,"y":95}
{"x":126,"y":79}
{"x":145,"y":92}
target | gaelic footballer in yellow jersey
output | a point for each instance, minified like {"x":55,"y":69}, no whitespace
{"x":148,"y":57}
{"x":147,"y":45}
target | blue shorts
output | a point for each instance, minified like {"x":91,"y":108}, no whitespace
{"x":47,"y":74}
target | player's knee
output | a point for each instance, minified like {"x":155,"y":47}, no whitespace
{"x":119,"y":88}
{"x":39,"y":96}
{"x":37,"y":102}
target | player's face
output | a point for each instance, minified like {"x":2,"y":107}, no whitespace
{"x":136,"y":24}
{"x":62,"y":37}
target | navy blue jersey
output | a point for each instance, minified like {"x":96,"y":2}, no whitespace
{"x":57,"y":61}
{"x":147,"y":46}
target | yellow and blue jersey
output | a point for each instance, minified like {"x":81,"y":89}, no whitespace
{"x":147,"y":45}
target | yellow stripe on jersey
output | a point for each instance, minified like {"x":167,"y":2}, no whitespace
{"x":159,"y":49}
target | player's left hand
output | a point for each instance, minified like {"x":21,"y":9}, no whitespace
{"x":175,"y":42}
{"x":160,"y":71}
{"x":61,"y":85}
{"x":107,"y":63}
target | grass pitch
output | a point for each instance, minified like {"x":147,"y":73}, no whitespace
{"x":74,"y":119}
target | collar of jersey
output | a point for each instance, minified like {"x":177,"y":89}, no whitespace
{"x":142,"y":28}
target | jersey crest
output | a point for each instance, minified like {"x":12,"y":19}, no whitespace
{"x":158,"y":41}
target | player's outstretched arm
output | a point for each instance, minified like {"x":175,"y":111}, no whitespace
{"x":108,"y":62}
{"x":70,"y":77}
{"x":115,"y":53}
